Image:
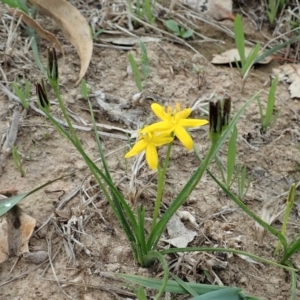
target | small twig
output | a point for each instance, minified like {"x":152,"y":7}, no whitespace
{"x":12,"y":268}
{"x":34,"y":108}
{"x":60,"y":205}
{"x":52,"y":267}
{"x":21,"y":275}
{"x":110,"y":289}
{"x":10,"y":138}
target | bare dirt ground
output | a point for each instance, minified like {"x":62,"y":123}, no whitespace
{"x":102,"y":249}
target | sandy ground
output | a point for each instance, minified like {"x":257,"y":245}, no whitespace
{"x":272,"y":159}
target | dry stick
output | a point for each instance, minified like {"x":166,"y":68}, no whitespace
{"x":52,"y":267}
{"x":172,"y":36}
{"x":98,"y":287}
{"x":21,"y":275}
{"x":60,"y":205}
{"x":10,"y":138}
{"x":88,"y":129}
{"x":12,"y":268}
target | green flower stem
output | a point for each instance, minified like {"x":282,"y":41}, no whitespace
{"x":180,"y":199}
{"x":55,"y":87}
{"x":161,"y":185}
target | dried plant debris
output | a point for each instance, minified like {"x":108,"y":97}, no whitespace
{"x":39,"y":29}
{"x":217,"y":9}
{"x":180,"y":236}
{"x":291,"y":74}
{"x":16,"y":228}
{"x":232,"y":56}
{"x":74,"y":27}
{"x":128,"y":112}
{"x":10,"y":138}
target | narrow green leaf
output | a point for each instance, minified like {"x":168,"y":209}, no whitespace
{"x":231,"y":155}
{"x":293,"y":284}
{"x":292,"y":249}
{"x":144,"y":60}
{"x":239,"y":37}
{"x":234,"y":251}
{"x":141,"y":294}
{"x":147,"y":8}
{"x":136,"y":72}
{"x":270,"y":104}
{"x":188,"y":288}
{"x":172,"y":286}
{"x":226,"y":294}
{"x":249,"y":61}
{"x":276,"y":48}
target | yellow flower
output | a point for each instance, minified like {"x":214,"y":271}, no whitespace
{"x":149,"y":142}
{"x":174,"y":121}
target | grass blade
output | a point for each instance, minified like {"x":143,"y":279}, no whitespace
{"x":136,"y":72}
{"x":270,"y":104}
{"x":226,"y":294}
{"x":172,"y":286}
{"x":239,"y":37}
{"x":231,"y":155}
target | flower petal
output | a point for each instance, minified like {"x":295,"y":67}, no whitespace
{"x":159,"y":111}
{"x":162,"y":140}
{"x":152,"y":157}
{"x":137,"y":148}
{"x":184,"y":137}
{"x":192,"y":122}
{"x":158,"y":127}
{"x":185,"y":113}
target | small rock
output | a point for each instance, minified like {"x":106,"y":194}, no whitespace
{"x":36,"y":257}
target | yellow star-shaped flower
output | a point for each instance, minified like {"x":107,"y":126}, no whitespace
{"x":175,"y":121}
{"x":149,"y":142}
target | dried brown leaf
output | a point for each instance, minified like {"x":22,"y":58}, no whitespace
{"x":232,"y":55}
{"x":180,"y":236}
{"x":39,"y":29}
{"x":16,"y":228}
{"x":290,"y":73}
{"x":74,"y":27}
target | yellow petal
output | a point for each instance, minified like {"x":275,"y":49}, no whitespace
{"x":159,"y":111}
{"x":192,"y":122}
{"x":137,"y":148}
{"x":152,"y":157}
{"x":158,"y":127}
{"x":184,"y":137}
{"x":185,"y":113}
{"x":162,"y":140}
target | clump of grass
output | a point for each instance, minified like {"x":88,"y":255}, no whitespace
{"x":234,"y":173}
{"x":22,"y":91}
{"x":246,"y":62}
{"x":144,"y":62}
{"x":273,"y":7}
{"x":17,"y":158}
